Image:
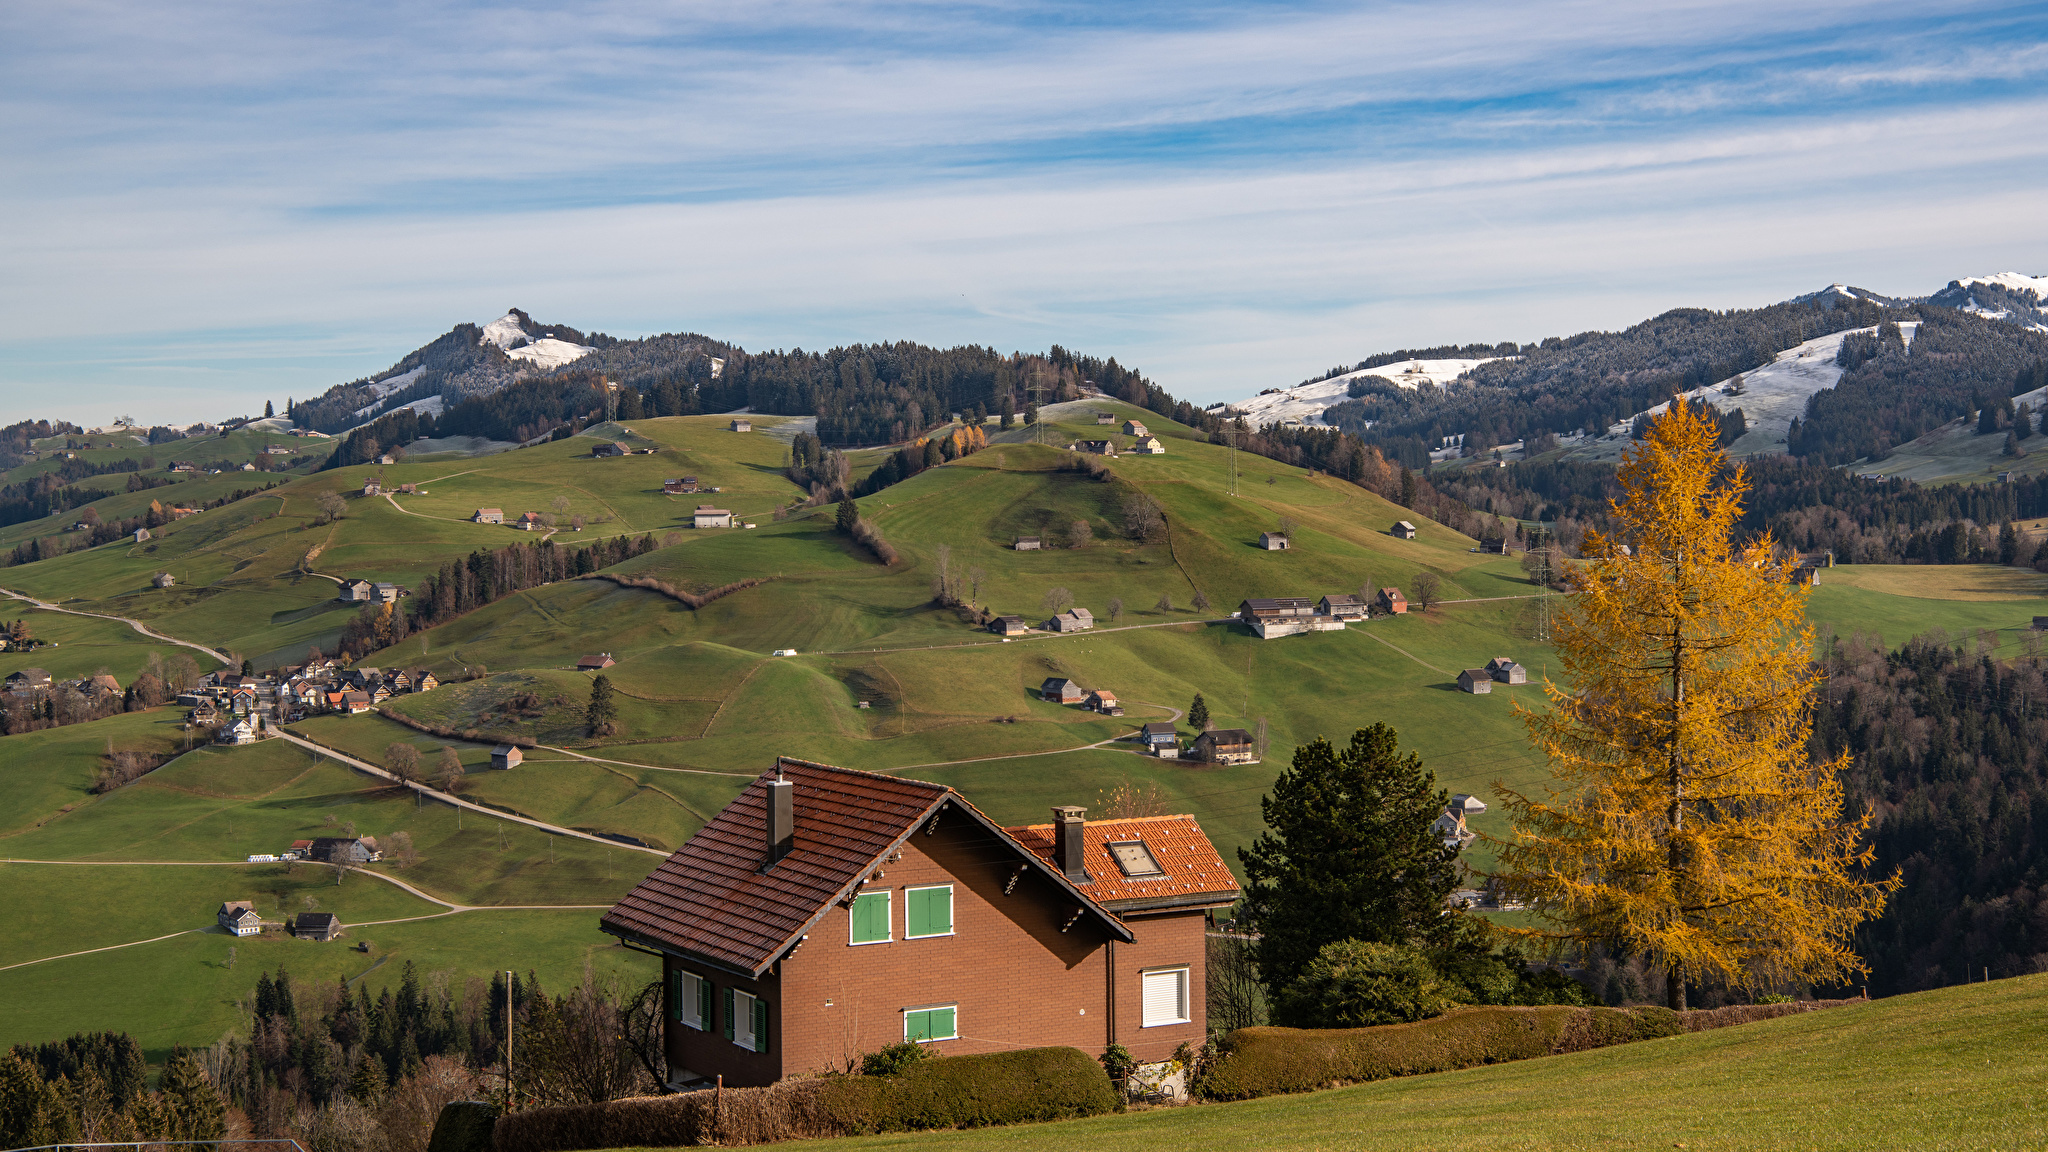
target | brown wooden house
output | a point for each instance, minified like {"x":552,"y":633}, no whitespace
{"x":827,"y":912}
{"x":1391,"y":601}
{"x":1226,"y":746}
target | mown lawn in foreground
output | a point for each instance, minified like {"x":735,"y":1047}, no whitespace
{"x":1952,"y":1069}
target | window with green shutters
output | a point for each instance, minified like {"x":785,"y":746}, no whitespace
{"x":870,"y":918}
{"x":689,"y":1000}
{"x":921,"y":1025}
{"x":928,"y":911}
{"x":749,"y":1017}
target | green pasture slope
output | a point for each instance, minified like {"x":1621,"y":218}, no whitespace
{"x":1958,"y":1069}
{"x":156,"y":858}
{"x":77,"y":646}
{"x":241,"y":446}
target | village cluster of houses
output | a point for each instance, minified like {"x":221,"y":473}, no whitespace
{"x":1272,"y":617}
{"x":1499,"y":670}
{"x":29,"y":681}
{"x":240,"y":709}
{"x":1142,"y":444}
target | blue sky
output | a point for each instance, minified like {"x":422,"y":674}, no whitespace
{"x":210,"y":205}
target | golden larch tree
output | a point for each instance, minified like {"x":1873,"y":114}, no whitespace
{"x":1689,"y":823}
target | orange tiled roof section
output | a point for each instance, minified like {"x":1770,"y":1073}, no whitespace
{"x":1178,"y":846}
{"x":711,"y":897}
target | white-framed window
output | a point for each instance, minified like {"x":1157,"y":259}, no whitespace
{"x":928,"y":911}
{"x":746,"y":1021}
{"x":868,"y":919}
{"x":929,"y":1022}
{"x":1164,"y":997}
{"x":689,"y":1000}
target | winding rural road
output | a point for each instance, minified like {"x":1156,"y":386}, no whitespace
{"x":135,"y":624}
{"x":458,"y":802}
{"x":448,"y":908}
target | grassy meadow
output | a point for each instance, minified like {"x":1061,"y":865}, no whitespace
{"x":1954,"y":1069}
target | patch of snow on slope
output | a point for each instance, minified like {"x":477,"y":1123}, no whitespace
{"x":1775,"y":394}
{"x":1306,"y":402}
{"x":549,"y":352}
{"x":546,"y":352}
{"x":2011,"y":280}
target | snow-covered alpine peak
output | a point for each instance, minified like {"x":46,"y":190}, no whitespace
{"x":544,"y":351}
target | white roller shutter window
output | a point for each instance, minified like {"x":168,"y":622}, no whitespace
{"x":1165,"y":997}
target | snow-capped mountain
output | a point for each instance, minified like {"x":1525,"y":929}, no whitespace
{"x":2008,"y":296}
{"x":514,"y":333}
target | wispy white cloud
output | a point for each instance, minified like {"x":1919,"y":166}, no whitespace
{"x":1214,"y":194}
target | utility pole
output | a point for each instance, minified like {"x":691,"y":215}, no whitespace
{"x":1230,"y":436}
{"x":508,"y":1039}
{"x":1036,"y":387}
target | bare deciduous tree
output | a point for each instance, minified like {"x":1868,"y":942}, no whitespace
{"x":1426,"y":588}
{"x":1058,"y":600}
{"x":1116,"y":609}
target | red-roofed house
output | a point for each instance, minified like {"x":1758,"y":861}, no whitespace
{"x":827,"y":912}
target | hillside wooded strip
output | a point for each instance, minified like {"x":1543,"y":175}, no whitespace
{"x":690,"y":599}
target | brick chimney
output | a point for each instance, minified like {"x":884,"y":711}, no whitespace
{"x":1067,"y":822}
{"x":781,"y":820}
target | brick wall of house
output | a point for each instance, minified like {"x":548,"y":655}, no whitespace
{"x":1018,"y":980}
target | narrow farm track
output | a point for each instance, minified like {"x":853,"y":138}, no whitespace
{"x":458,"y":802}
{"x":448,"y":909}
{"x":135,"y":624}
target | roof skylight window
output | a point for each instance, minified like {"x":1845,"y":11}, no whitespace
{"x":1134,"y":858}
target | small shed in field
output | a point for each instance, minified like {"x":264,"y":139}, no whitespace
{"x":1273,"y":541}
{"x":1477,"y":681}
{"x":595,"y":663}
{"x":743,"y":425}
{"x":1403,"y":530}
{"x":316,"y":926}
{"x":489,"y":516}
{"x":1061,"y":690}
{"x":1392,"y":602}
{"x":1505,"y":671}
{"x":1027,"y":544}
{"x":506,"y":756}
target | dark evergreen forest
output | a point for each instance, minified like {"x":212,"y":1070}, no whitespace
{"x":1949,"y":750}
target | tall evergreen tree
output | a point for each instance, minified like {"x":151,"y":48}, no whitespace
{"x":1350,"y":853}
{"x":603,"y":715}
{"x":1198,"y":714}
{"x":847,"y":517}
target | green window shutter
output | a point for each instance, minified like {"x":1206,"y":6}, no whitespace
{"x":675,"y":995}
{"x":704,"y":1002}
{"x":870,"y":917}
{"x":728,"y":1014}
{"x":917,"y":1026}
{"x":760,"y":1025}
{"x":942,"y":1024}
{"x":930,"y":912}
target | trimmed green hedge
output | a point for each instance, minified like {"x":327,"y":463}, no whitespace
{"x":1269,"y":1061}
{"x":973,"y":1092}
{"x":947,"y":1092}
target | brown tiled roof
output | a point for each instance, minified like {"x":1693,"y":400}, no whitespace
{"x":1194,"y":873}
{"x":712,"y":900}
